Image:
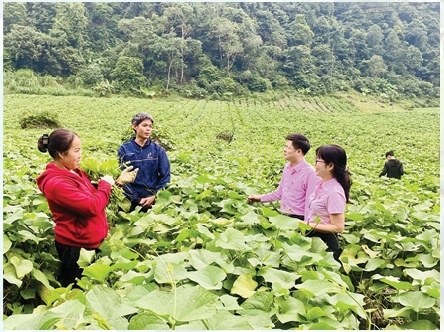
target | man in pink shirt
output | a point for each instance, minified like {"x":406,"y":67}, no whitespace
{"x":298,"y":180}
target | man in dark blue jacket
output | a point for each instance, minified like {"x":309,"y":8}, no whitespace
{"x":151,"y":160}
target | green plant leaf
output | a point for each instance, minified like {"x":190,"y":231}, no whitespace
{"x":6,"y":243}
{"x":284,"y":222}
{"x":168,"y":272}
{"x":108,"y":305}
{"x":223,"y":320}
{"x":210,"y":277}
{"x":147,"y":321}
{"x":232,"y":239}
{"x":86,"y":257}
{"x":421,"y":325}
{"x":423,"y":275}
{"x":318,"y":287}
{"x":315,"y":313}
{"x":228,"y":302}
{"x":416,"y":300}
{"x":22,"y":266}
{"x":244,"y":286}
{"x":184,"y":304}
{"x":260,"y":302}
{"x":284,"y":278}
{"x":397,"y":284}
{"x":10,"y":275}
{"x":402,"y":312}
{"x":98,"y":271}
{"x":289,"y":309}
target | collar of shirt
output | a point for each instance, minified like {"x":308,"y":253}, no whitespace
{"x":297,"y":168}
{"x":329,"y":184}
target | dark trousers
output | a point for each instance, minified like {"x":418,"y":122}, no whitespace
{"x":331,"y":240}
{"x":69,"y":270}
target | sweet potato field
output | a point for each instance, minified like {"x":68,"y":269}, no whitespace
{"x":204,"y":259}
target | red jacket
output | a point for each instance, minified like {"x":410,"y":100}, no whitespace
{"x":78,"y":208}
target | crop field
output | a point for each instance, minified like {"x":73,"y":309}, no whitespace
{"x":203,"y":258}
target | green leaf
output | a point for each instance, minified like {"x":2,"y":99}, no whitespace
{"x":223,"y":320}
{"x":231,"y":239}
{"x":423,"y":275}
{"x":210,"y":277}
{"x":70,"y":314}
{"x":348,"y":300}
{"x":147,"y":321}
{"x":284,"y":222}
{"x":40,"y":276}
{"x":168,"y":272}
{"x":250,"y":218}
{"x":228,"y":302}
{"x":6,"y":243}
{"x":315,"y":313}
{"x":392,"y":313}
{"x":107,"y":303}
{"x":321,"y":326}
{"x":184,"y":304}
{"x":261,"y":302}
{"x":374,"y":263}
{"x":10,"y":275}
{"x":22,"y":266}
{"x":244,"y":286}
{"x":86,"y":257}
{"x":284,"y":278}
{"x":397,"y":284}
{"x":416,"y":300}
{"x":318,"y":287}
{"x":421,"y":325}
{"x":98,"y":271}
{"x":288,"y":310}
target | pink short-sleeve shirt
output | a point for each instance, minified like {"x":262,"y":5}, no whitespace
{"x":328,"y":198}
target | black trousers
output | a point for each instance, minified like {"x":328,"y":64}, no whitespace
{"x":331,"y":240}
{"x":69,"y":270}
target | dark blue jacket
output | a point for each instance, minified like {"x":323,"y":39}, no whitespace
{"x":153,"y":164}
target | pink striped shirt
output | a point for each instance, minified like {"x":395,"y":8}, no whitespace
{"x":296,"y":186}
{"x":328,"y":198}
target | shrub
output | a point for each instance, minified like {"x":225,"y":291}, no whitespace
{"x":104,"y":88}
{"x":41,"y":120}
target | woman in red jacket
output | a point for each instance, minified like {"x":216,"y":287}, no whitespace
{"x":78,"y":208}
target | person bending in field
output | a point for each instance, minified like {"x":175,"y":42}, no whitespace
{"x":393,"y":168}
{"x":151,"y":160}
{"x":298,"y":180}
{"x":326,"y":205}
{"x":77,"y":206}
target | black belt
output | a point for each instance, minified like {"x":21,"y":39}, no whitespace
{"x":298,"y":216}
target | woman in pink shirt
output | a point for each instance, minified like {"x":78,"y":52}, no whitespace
{"x":326,"y":205}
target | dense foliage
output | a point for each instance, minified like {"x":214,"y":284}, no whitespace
{"x":214,"y":49}
{"x":203,"y":258}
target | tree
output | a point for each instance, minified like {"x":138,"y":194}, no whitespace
{"x":70,"y":23}
{"x":14,"y":13}
{"x":179,"y":19}
{"x":376,"y":66}
{"x":226,"y":34}
{"x":127,"y":74}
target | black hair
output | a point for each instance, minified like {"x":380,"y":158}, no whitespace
{"x":299,"y":141}
{"x":59,"y":140}
{"x":336,"y":155}
{"x":389,"y":153}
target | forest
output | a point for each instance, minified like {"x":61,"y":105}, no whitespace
{"x":198,"y":49}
